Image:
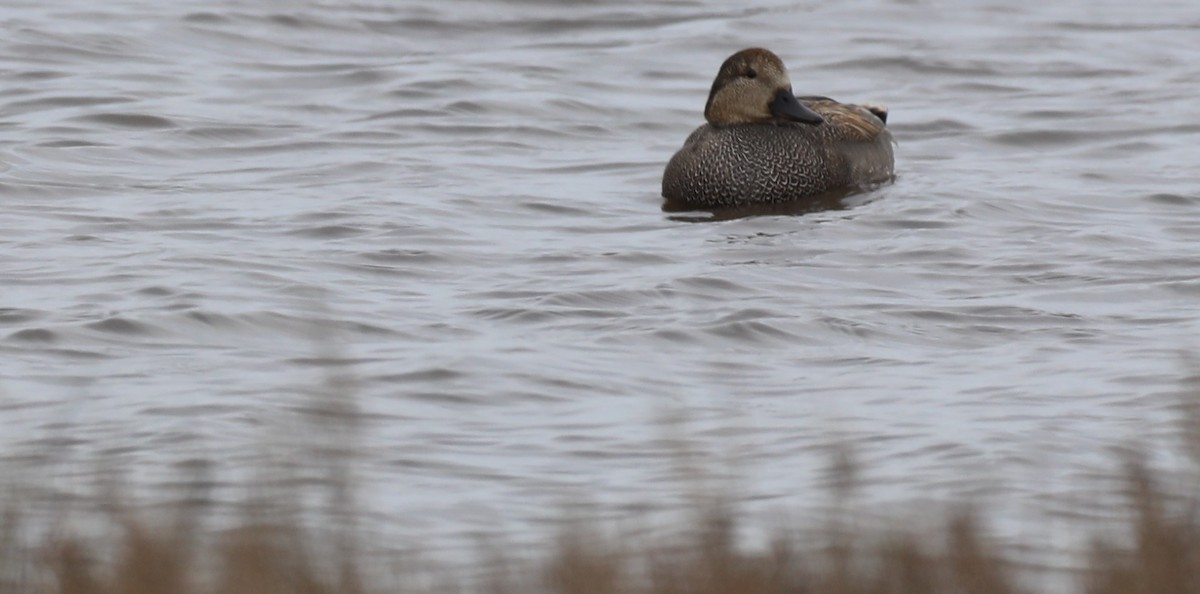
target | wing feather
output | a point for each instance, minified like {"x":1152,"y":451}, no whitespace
{"x":846,"y":121}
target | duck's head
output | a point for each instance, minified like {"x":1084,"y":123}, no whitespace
{"x":753,"y":87}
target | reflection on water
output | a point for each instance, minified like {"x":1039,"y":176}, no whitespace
{"x":461,"y":203}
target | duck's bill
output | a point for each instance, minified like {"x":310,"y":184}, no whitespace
{"x":787,"y":107}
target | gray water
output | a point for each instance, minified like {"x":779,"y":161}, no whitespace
{"x":209,"y":209}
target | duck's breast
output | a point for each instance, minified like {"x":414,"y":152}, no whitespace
{"x":745,"y":164}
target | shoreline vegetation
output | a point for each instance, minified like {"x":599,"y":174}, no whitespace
{"x":289,"y":540}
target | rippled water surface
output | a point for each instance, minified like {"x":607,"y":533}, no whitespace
{"x":207,"y":209}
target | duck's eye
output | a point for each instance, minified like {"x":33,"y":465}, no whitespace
{"x":750,"y":73}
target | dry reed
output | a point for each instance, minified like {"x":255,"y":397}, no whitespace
{"x":277,"y":553}
{"x":1161,"y":555}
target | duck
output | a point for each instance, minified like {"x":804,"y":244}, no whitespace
{"x":763,"y":145}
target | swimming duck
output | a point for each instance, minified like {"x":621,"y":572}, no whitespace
{"x":764,"y":145}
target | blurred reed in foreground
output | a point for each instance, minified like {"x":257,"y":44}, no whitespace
{"x":279,"y":549}
{"x":1160,"y":554}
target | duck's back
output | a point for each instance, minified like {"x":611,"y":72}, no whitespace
{"x":767,"y":163}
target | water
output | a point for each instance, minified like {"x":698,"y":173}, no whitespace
{"x":209,"y":209}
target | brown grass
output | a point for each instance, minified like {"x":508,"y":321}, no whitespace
{"x":1161,"y":555}
{"x":277,"y":550}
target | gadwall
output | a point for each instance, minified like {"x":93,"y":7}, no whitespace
{"x":764,"y":145}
